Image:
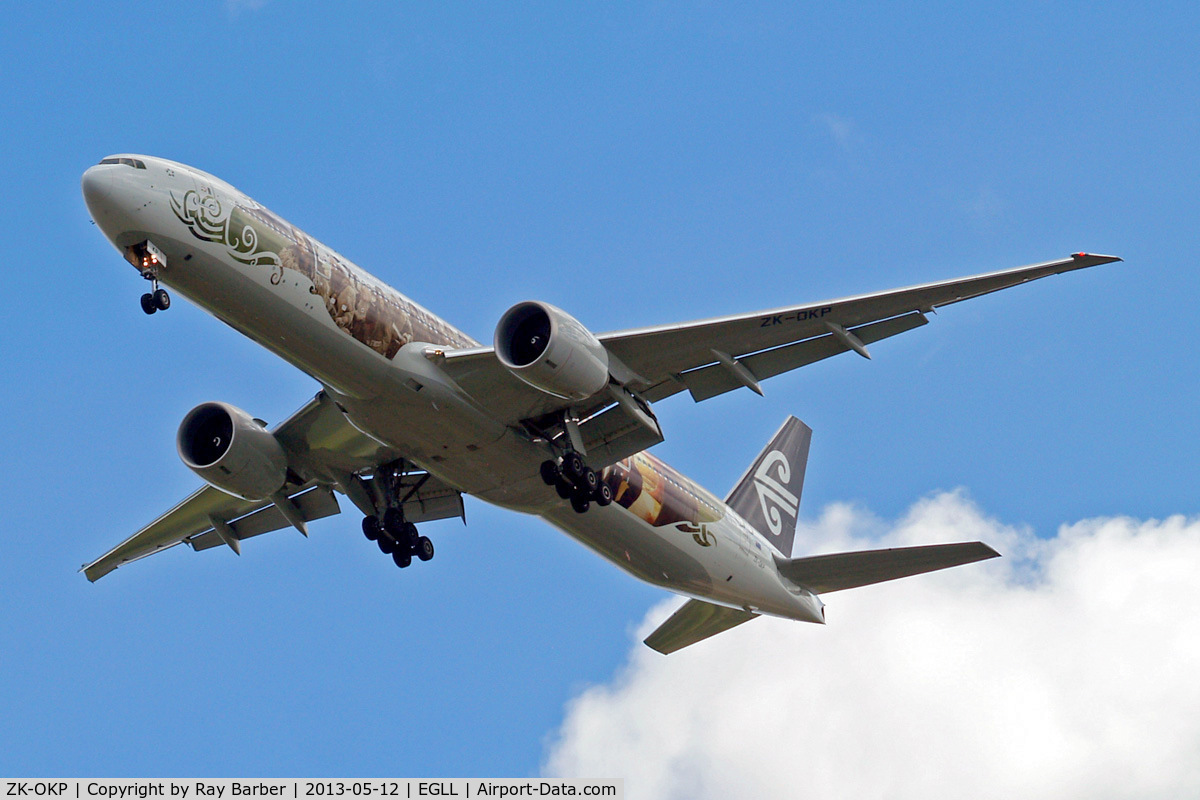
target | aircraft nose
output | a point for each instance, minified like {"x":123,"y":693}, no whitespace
{"x":97,"y":192}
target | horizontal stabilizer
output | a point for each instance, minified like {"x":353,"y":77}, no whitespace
{"x":694,"y":621}
{"x":837,"y":571}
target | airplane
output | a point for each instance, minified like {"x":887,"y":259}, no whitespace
{"x":549,"y":419}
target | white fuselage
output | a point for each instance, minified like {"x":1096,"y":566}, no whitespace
{"x":296,"y":297}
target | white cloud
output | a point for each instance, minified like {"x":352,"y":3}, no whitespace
{"x":1068,"y":669}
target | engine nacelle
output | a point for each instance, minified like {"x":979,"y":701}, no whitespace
{"x":230,"y":450}
{"x":550,"y":350}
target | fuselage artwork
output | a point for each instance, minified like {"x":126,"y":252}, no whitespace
{"x":549,"y":420}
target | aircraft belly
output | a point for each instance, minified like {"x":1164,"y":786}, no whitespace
{"x":721,"y":573}
{"x":634,"y":546}
{"x":462,"y":448}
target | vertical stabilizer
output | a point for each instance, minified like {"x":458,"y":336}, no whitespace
{"x":768,"y":495}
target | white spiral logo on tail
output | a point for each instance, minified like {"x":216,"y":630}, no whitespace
{"x":773,"y":494}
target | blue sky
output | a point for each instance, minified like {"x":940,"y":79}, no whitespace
{"x":633,"y":164}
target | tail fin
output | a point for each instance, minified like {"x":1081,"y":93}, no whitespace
{"x":768,"y":495}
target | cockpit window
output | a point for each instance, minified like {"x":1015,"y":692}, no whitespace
{"x":136,"y":163}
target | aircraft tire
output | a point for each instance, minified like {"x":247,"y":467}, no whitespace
{"x":564,"y":488}
{"x":550,"y":472}
{"x":580,"y":503}
{"x":411,"y":536}
{"x":162,"y":300}
{"x":424,"y":548}
{"x":394,"y":523}
{"x":603,"y":494}
{"x":386,"y":545}
{"x":148,"y":303}
{"x":573,"y":466}
{"x":371,"y":529}
{"x":589,"y":480}
{"x":401,"y":558}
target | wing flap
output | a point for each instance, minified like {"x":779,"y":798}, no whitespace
{"x":618,"y":432}
{"x":695,"y":621}
{"x":715,"y":379}
{"x":837,"y":571}
{"x":428,"y":499}
{"x":316,"y":503}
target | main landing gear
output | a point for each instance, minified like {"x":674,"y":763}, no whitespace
{"x":397,"y":537}
{"x":574,"y":480}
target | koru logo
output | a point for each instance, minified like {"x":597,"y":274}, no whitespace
{"x":703,"y":536}
{"x":773,"y":494}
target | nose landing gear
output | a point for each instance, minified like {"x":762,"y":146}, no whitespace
{"x":155,"y":300}
{"x":148,"y":260}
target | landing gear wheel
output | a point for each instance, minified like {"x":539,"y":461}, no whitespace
{"x":148,"y":303}
{"x":401,"y":558}
{"x":564,"y":488}
{"x":395,"y":524}
{"x":162,"y":300}
{"x":580,"y":503}
{"x":386,"y":545}
{"x":550,"y":473}
{"x":424,"y":548}
{"x":589,"y":480}
{"x":371,"y":528}
{"x":573,"y":466}
{"x":603,"y":494}
{"x":411,"y":536}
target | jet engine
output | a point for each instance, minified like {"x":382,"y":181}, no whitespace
{"x":550,"y":350}
{"x":232,"y":451}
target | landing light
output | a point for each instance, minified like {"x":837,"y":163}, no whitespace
{"x":156,"y":255}
{"x":146,"y":257}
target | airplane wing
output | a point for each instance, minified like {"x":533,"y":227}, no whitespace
{"x":837,"y":571}
{"x":713,"y":356}
{"x":324,"y":450}
{"x":694,"y":621}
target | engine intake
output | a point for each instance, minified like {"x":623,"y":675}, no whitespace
{"x":550,"y":350}
{"x":232,"y":451}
